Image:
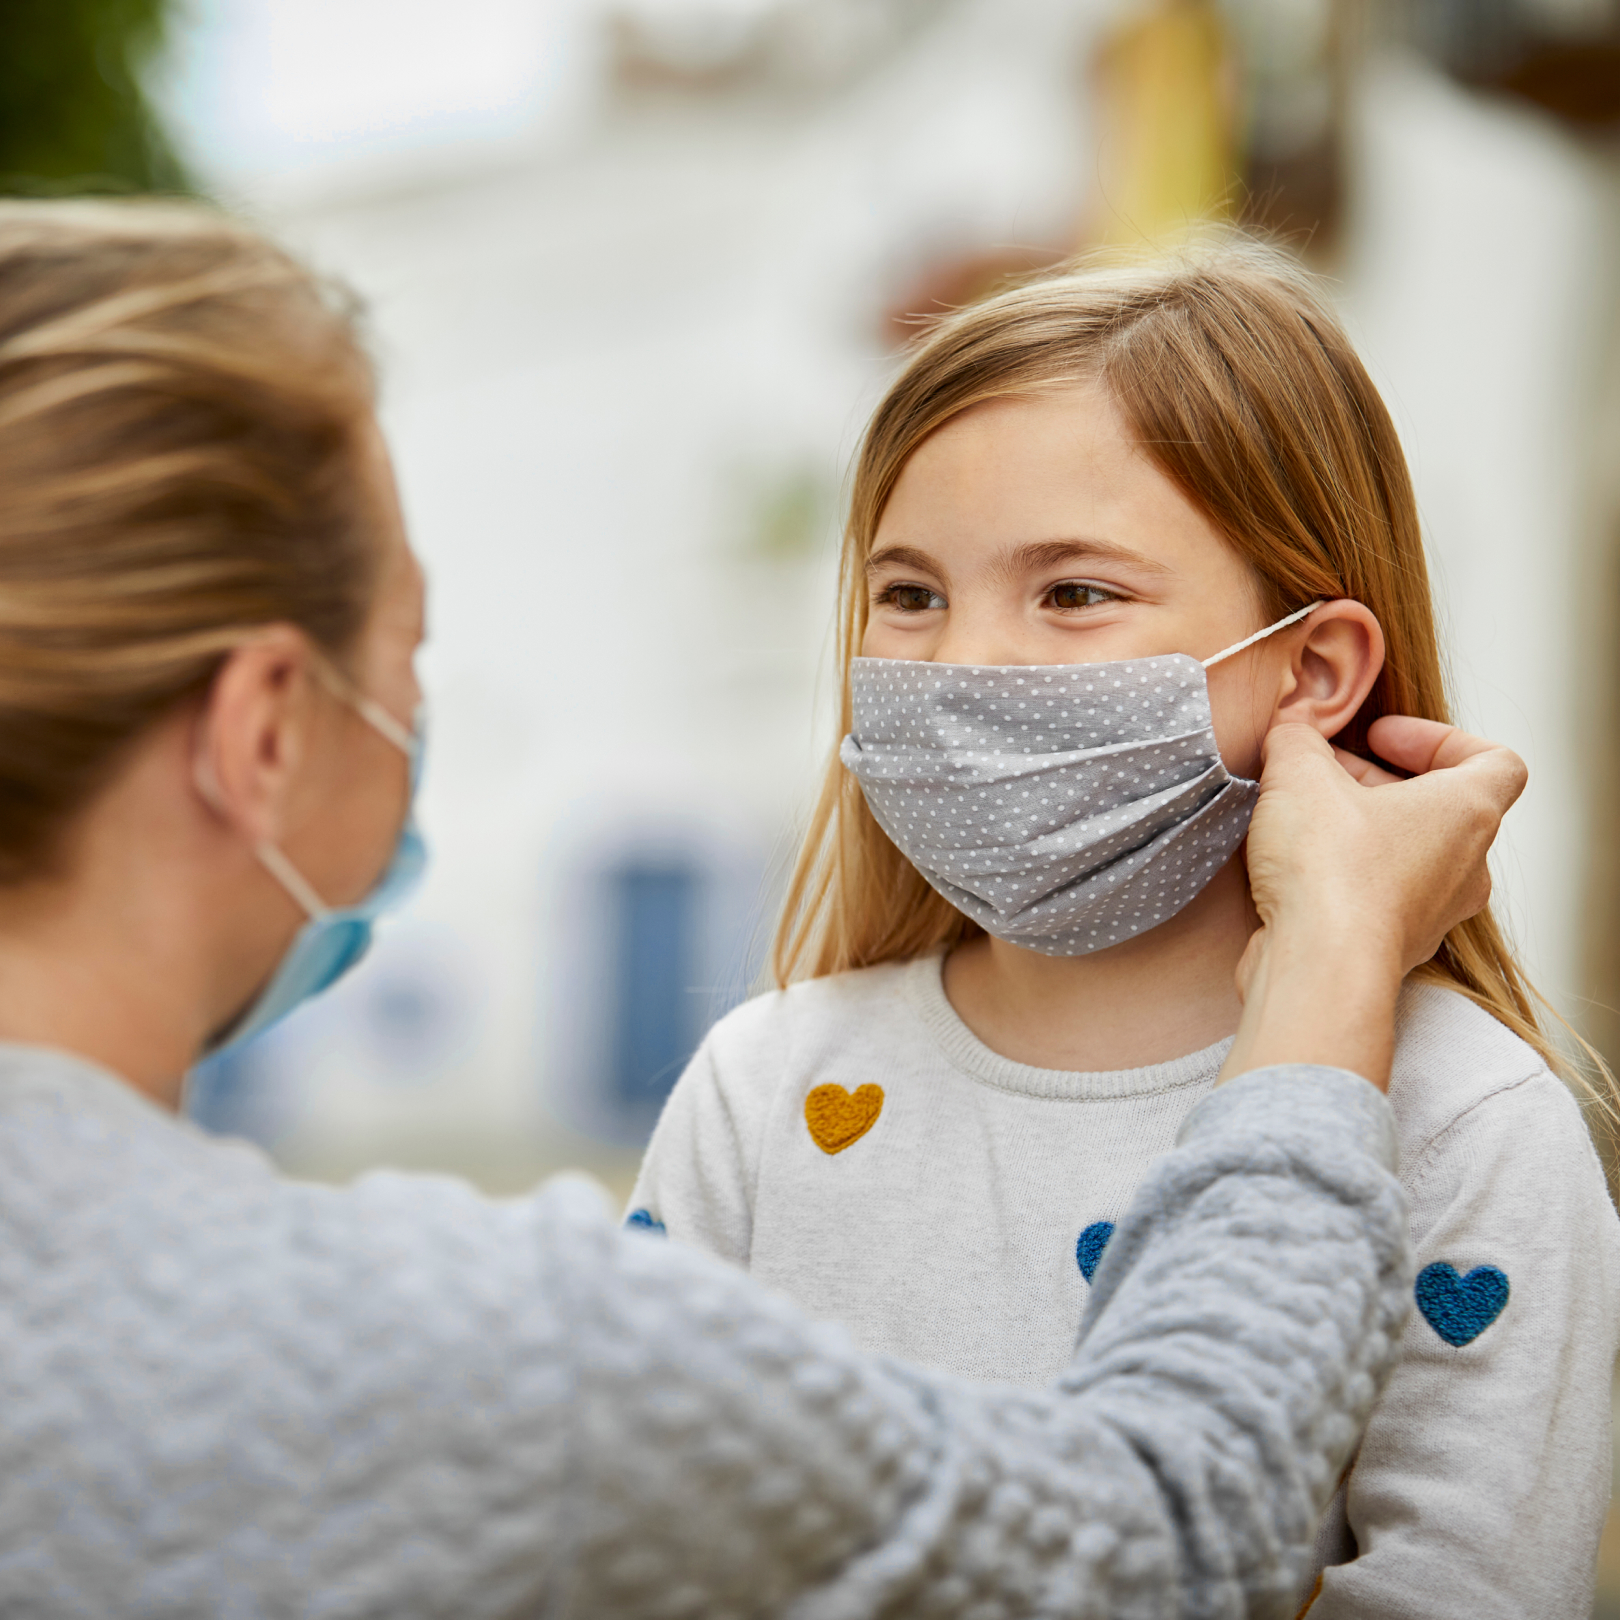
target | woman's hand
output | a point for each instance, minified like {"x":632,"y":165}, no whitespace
{"x":1358,"y":875}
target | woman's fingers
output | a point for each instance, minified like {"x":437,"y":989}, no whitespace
{"x":1420,"y":746}
{"x":1297,"y":749}
{"x":1399,"y":859}
{"x":1412,"y":744}
{"x":1363,"y":770}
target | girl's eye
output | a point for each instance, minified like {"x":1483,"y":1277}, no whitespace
{"x":910,"y":598}
{"x":1072,"y":594}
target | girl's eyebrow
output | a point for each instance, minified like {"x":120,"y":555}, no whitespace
{"x":902,"y":557}
{"x":1030,"y":557}
{"x":1039,"y":554}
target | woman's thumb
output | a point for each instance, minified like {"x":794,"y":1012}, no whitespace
{"x":1294,"y":746}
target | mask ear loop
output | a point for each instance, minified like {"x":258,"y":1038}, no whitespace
{"x":1260,"y":635}
{"x":292,"y":880}
{"x":403,"y":737}
{"x":269,"y":855}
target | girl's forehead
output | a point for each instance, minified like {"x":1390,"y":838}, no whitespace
{"x":1044,"y":470}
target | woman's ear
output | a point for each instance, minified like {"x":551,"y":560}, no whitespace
{"x":1332,"y":668}
{"x":253,"y":733}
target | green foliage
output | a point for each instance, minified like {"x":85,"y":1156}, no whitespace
{"x":73,"y":116}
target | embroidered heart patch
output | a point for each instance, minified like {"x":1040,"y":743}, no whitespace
{"x":836,"y":1118}
{"x":1089,"y":1250}
{"x":1459,"y":1308}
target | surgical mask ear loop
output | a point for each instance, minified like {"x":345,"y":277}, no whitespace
{"x":407,"y":740}
{"x":292,"y":880}
{"x":1260,"y":635}
{"x":269,"y":855}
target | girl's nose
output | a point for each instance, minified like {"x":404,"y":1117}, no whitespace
{"x":974,"y":638}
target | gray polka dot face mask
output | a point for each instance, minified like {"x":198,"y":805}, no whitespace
{"x":1064,"y":807}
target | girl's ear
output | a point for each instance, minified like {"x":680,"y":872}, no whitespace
{"x":1332,"y":669}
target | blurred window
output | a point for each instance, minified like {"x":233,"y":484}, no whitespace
{"x":655,"y":906}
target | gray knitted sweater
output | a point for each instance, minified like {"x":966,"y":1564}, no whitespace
{"x":225,"y":1395}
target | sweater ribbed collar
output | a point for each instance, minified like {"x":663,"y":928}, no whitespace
{"x":925,"y":989}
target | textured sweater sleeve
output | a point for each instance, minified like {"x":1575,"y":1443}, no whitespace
{"x":731,"y":1459}
{"x":1481,"y":1485}
{"x":221,"y":1392}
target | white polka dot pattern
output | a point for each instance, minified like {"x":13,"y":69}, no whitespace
{"x":1064,"y":807}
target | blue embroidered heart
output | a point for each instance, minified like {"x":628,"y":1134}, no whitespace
{"x":1459,"y":1309}
{"x":1089,"y":1250}
{"x":644,"y":1220}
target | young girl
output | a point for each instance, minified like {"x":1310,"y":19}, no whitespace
{"x":1010,"y":947}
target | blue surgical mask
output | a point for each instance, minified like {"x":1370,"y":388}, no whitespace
{"x":335,"y":939}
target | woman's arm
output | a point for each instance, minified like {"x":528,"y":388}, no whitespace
{"x":412,"y":1402}
{"x":1241,"y":1324}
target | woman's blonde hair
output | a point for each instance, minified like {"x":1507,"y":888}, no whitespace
{"x":182,"y":410}
{"x":1241,"y":385}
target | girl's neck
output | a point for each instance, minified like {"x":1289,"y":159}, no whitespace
{"x":1153,"y":998}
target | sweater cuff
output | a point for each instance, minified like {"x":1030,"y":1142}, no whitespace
{"x":1338,"y":1106}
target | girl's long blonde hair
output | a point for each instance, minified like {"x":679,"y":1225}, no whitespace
{"x":1241,"y":385}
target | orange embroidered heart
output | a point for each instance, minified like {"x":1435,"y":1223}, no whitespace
{"x":836,"y":1119}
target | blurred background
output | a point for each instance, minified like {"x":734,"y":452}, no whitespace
{"x":636,"y":271}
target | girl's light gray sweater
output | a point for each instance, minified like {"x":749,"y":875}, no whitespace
{"x":225,"y":1395}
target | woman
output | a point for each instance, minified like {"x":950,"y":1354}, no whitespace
{"x":227,"y":1394}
